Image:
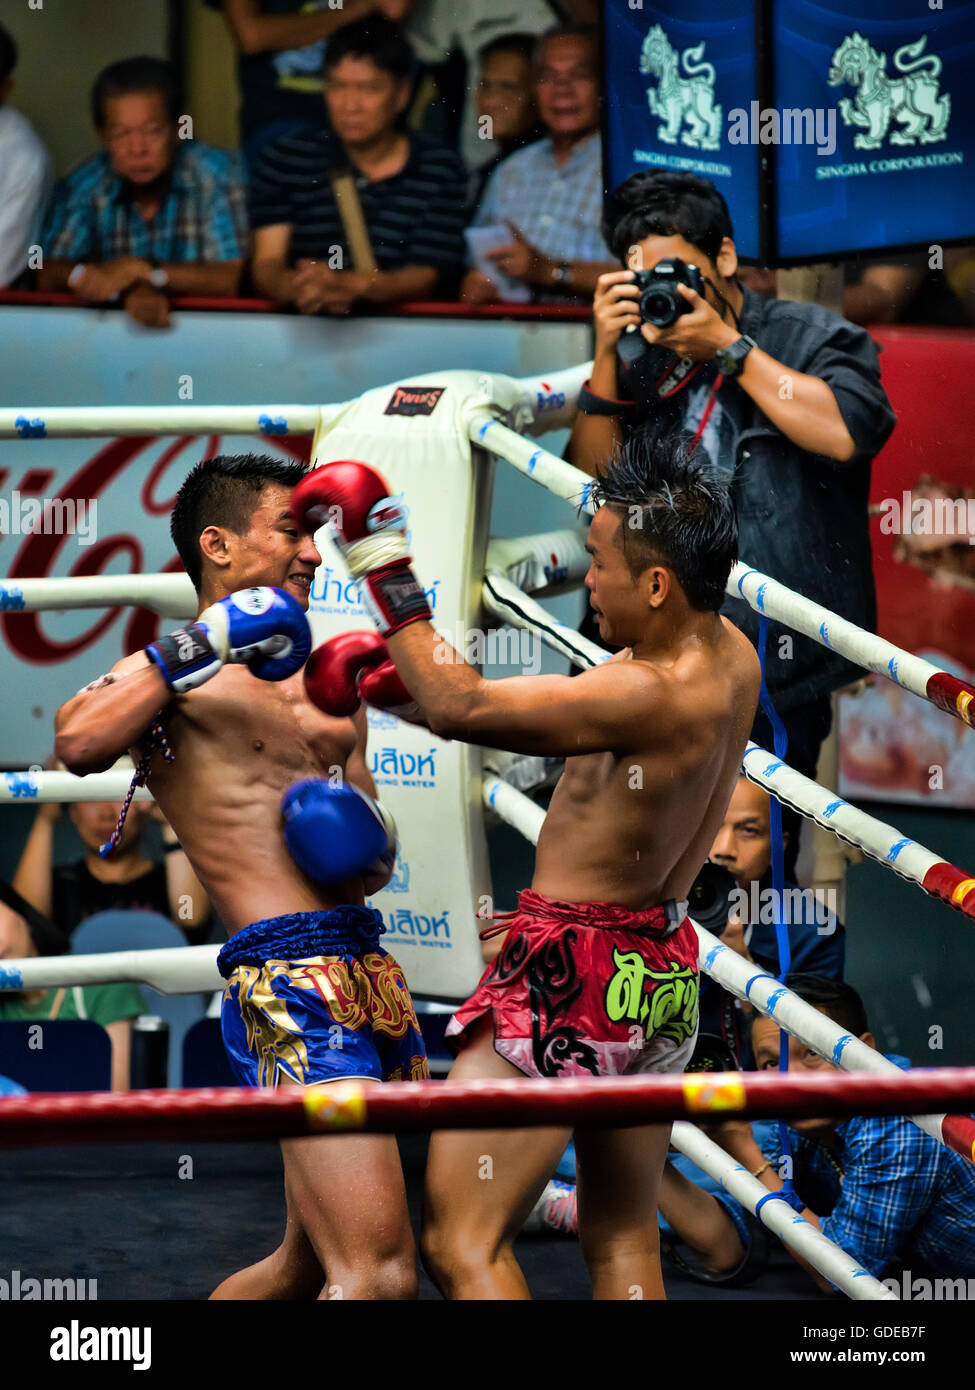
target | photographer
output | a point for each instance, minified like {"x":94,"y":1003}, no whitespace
{"x":784,"y":397}
{"x":733,"y":898}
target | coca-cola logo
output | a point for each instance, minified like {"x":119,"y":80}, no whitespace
{"x":42,"y":554}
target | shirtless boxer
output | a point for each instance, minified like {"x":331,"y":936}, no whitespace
{"x":303,"y":961}
{"x":599,"y":971}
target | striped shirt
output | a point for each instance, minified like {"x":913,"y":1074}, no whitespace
{"x":416,"y":217}
{"x":202,"y":216}
{"x":557,"y":207}
{"x":901,"y":1196}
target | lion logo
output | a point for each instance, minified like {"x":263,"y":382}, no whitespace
{"x":914,"y":100}
{"x":681,"y":100}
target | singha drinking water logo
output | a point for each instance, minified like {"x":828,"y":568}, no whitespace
{"x":681,"y":100}
{"x":914,"y":100}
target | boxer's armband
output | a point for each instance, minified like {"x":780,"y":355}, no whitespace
{"x":591,"y":404}
{"x":186,"y":658}
{"x":393,"y":599}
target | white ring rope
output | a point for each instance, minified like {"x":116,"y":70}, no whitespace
{"x":87,"y":421}
{"x":830,"y":1259}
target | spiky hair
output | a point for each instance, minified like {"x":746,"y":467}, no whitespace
{"x":674,"y":511}
{"x":223,"y":491}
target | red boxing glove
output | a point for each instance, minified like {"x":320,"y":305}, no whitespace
{"x":369,"y":527}
{"x":356,"y":666}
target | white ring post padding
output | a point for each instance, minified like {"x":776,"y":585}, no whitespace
{"x":735,"y":973}
{"x":64,"y":786}
{"x":842,"y":1049}
{"x":170,"y":595}
{"x":546,"y":403}
{"x":877,"y":839}
{"x":545,"y":562}
{"x":830,"y":1259}
{"x":774,"y":600}
{"x":82,"y":421}
{"x":172,"y":970}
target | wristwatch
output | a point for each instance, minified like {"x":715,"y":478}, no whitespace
{"x":158,"y":278}
{"x":561,"y":275}
{"x":731,"y":360}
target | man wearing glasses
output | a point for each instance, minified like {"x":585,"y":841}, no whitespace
{"x":155,"y":214}
{"x":549,"y":195}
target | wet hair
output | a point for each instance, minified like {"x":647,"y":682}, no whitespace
{"x":664,"y":202}
{"x":379,"y":40}
{"x":838,"y":1000}
{"x":136,"y":75}
{"x":224,"y":491}
{"x":521,"y":44}
{"x":673,"y":511}
{"x":8,"y":53}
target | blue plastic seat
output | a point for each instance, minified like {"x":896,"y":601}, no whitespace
{"x":75,"y":1054}
{"x":144,"y":931}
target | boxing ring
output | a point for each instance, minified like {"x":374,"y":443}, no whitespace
{"x":442,"y":456}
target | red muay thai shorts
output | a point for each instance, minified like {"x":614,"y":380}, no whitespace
{"x":588,"y":989}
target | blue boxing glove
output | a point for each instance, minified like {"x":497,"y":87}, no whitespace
{"x":336,"y":832}
{"x":265,"y":629}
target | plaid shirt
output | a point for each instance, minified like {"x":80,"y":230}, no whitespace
{"x":902,"y":1195}
{"x":557,"y":207}
{"x":202,"y":216}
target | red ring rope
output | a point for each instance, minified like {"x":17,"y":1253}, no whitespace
{"x":238,"y":1114}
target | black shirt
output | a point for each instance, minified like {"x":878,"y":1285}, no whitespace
{"x":417,"y":217}
{"x":286,"y":85}
{"x":77,"y":894}
{"x":802,"y":517}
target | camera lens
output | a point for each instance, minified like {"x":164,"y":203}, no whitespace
{"x":659,"y":306}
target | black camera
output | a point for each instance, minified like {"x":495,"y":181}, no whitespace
{"x":709,"y":901}
{"x":660,"y":301}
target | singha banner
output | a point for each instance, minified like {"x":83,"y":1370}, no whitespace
{"x":830,"y":126}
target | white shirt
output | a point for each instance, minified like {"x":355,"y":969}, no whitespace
{"x":25,"y":180}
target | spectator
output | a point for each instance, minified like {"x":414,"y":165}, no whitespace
{"x":409,"y":190}
{"x":280,"y":55}
{"x":885,"y":1191}
{"x":817,"y":939}
{"x":786,"y":397}
{"x":126,"y":879}
{"x":505,"y":103}
{"x":150,"y":216}
{"x":550,"y":194}
{"x":448,"y":37}
{"x":23,"y":935}
{"x":908,"y":290}
{"x":25,"y":171}
{"x":743,"y":846}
